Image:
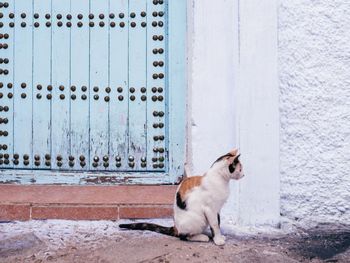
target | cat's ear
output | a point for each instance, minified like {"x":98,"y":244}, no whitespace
{"x":236,"y":159}
{"x":234,"y":152}
{"x":233,"y":155}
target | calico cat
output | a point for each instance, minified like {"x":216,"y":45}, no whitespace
{"x":198,"y":202}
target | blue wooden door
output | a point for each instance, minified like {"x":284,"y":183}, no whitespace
{"x":93,"y":86}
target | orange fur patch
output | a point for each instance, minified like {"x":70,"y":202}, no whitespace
{"x":188,"y":184}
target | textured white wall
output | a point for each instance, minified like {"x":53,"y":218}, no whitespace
{"x":314,"y":72}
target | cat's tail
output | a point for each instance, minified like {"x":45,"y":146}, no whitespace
{"x":169,"y":231}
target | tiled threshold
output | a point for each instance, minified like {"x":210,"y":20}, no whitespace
{"x":18,"y":202}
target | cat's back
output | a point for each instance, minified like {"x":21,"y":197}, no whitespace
{"x":189,"y":184}
{"x":187,"y":194}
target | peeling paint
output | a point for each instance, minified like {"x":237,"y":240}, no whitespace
{"x":10,"y":181}
{"x":83,"y":178}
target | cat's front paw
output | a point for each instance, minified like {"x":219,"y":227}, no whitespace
{"x":219,"y":240}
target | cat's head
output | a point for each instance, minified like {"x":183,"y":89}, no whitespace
{"x":230,"y":165}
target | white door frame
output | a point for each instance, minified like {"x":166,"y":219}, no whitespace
{"x":234,"y":43}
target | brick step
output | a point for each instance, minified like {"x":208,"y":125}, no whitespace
{"x":19,"y":202}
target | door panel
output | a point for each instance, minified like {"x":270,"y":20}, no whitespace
{"x":99,"y":98}
{"x":137,"y":82}
{"x":79,"y":87}
{"x":118,"y":81}
{"x":60,"y":101}
{"x":86,"y":86}
{"x":22,"y":85}
{"x":41,"y":80}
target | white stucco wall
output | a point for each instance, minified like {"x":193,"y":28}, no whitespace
{"x":314,"y":74}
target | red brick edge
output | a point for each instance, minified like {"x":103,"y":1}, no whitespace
{"x":28,"y":212}
{"x":14,"y":212}
{"x":112,"y":209}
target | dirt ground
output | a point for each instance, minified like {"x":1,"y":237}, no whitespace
{"x":103,"y":241}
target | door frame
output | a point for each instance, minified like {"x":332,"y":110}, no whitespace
{"x":175,"y":129}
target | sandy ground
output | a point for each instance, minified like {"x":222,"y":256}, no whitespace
{"x":103,"y":241}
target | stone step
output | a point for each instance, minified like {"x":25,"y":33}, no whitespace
{"x":26,"y":202}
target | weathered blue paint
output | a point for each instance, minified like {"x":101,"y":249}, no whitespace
{"x":99,"y":136}
{"x":131,"y":126}
{"x":22,"y":122}
{"x":41,"y":61}
{"x":118,"y":81}
{"x":68,"y":177}
{"x":176,"y":83}
{"x":137,"y":79}
{"x":79,"y":81}
{"x":60,"y":75}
